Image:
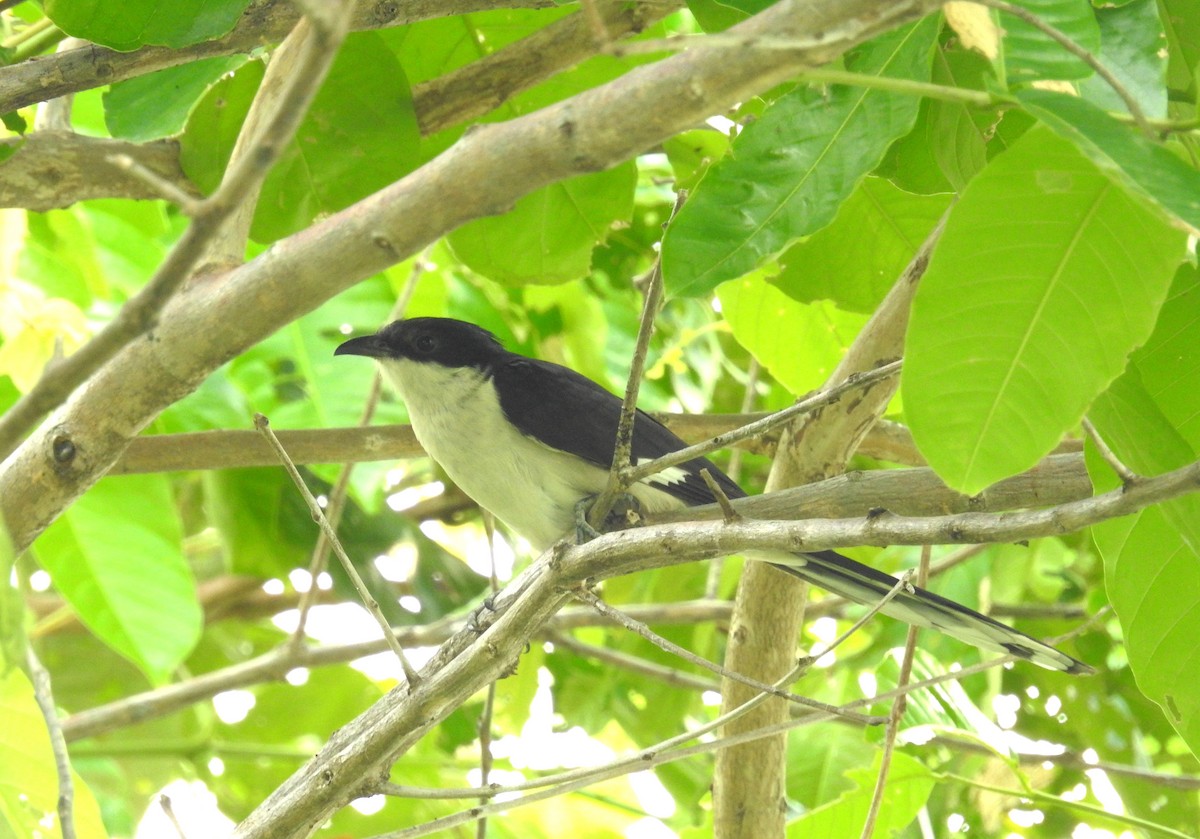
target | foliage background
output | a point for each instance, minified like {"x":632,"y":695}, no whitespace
{"x":1064,"y":285}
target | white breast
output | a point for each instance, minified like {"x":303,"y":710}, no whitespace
{"x":529,"y":486}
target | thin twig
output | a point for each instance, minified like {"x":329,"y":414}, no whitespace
{"x":1128,"y":476}
{"x":1065,"y":41}
{"x":489,"y":703}
{"x":727,"y":511}
{"x":341,"y":487}
{"x":264,"y":427}
{"x":623,"y":449}
{"x":1047,"y":799}
{"x":647,"y":759}
{"x":277,"y":663}
{"x":661,"y":753}
{"x":635,"y":664}
{"x":674,"y":649}
{"x":166,"y":190}
{"x":42,"y":692}
{"x":168,"y":809}
{"x":898,"y":708}
{"x":818,"y":400}
{"x":902,"y":583}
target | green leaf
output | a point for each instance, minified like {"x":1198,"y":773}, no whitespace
{"x":116,"y":557}
{"x":359,"y":135}
{"x":28,"y":779}
{"x":692,"y":152}
{"x":909,"y":784}
{"x":1028,"y":54}
{"x":158,"y":104}
{"x":549,"y":235}
{"x":135,"y":23}
{"x":1122,"y":152}
{"x":1151,"y":418}
{"x":818,"y":757}
{"x":1030,"y":306}
{"x":1152,"y":559}
{"x":1134,"y":49}
{"x":60,"y":256}
{"x":212,"y":129}
{"x":790,"y":170}
{"x":1181,"y":21}
{"x":958,"y":134}
{"x":833,"y":265}
{"x":800,"y":343}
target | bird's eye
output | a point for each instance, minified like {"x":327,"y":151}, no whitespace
{"x":425,"y":343}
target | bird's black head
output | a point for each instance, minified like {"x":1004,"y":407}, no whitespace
{"x":444,"y":341}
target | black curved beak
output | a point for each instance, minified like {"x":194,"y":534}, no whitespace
{"x":368,"y":345}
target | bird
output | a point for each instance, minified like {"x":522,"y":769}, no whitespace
{"x":530,"y":441}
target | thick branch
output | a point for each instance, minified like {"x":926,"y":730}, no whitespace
{"x":661,"y":545}
{"x":62,"y":168}
{"x":365,"y":747}
{"x":53,"y":169}
{"x":264,"y":22}
{"x":483,"y":173}
{"x":486,"y":84}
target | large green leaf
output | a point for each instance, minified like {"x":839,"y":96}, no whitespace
{"x":116,"y":557}
{"x":800,"y":343}
{"x":1121,"y":151}
{"x":212,"y":128}
{"x":833,"y":264}
{"x":1030,"y":54}
{"x":28,"y":779}
{"x":1151,"y":418}
{"x":1181,"y":22}
{"x":359,"y":135}
{"x":135,"y":23}
{"x":909,"y":784}
{"x":158,"y":104}
{"x":548,"y":236}
{"x":1133,"y":48}
{"x":818,"y":757}
{"x":1047,"y":276}
{"x":790,"y":170}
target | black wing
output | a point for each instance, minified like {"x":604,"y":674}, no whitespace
{"x":569,"y":412}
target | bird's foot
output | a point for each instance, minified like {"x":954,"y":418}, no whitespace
{"x":626,"y":511}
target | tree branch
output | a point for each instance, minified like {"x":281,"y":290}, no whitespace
{"x":263,"y":22}
{"x":485,"y":171}
{"x":63,"y":168}
{"x":52,"y":169}
{"x":274,"y":665}
{"x":318,"y":41}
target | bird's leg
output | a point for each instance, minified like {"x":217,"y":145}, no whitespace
{"x":626,"y":511}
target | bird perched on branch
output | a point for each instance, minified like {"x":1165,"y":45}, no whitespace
{"x":530,"y":440}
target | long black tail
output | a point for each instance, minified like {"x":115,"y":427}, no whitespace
{"x":864,"y":584}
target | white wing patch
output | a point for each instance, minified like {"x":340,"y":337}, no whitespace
{"x":667,"y":477}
